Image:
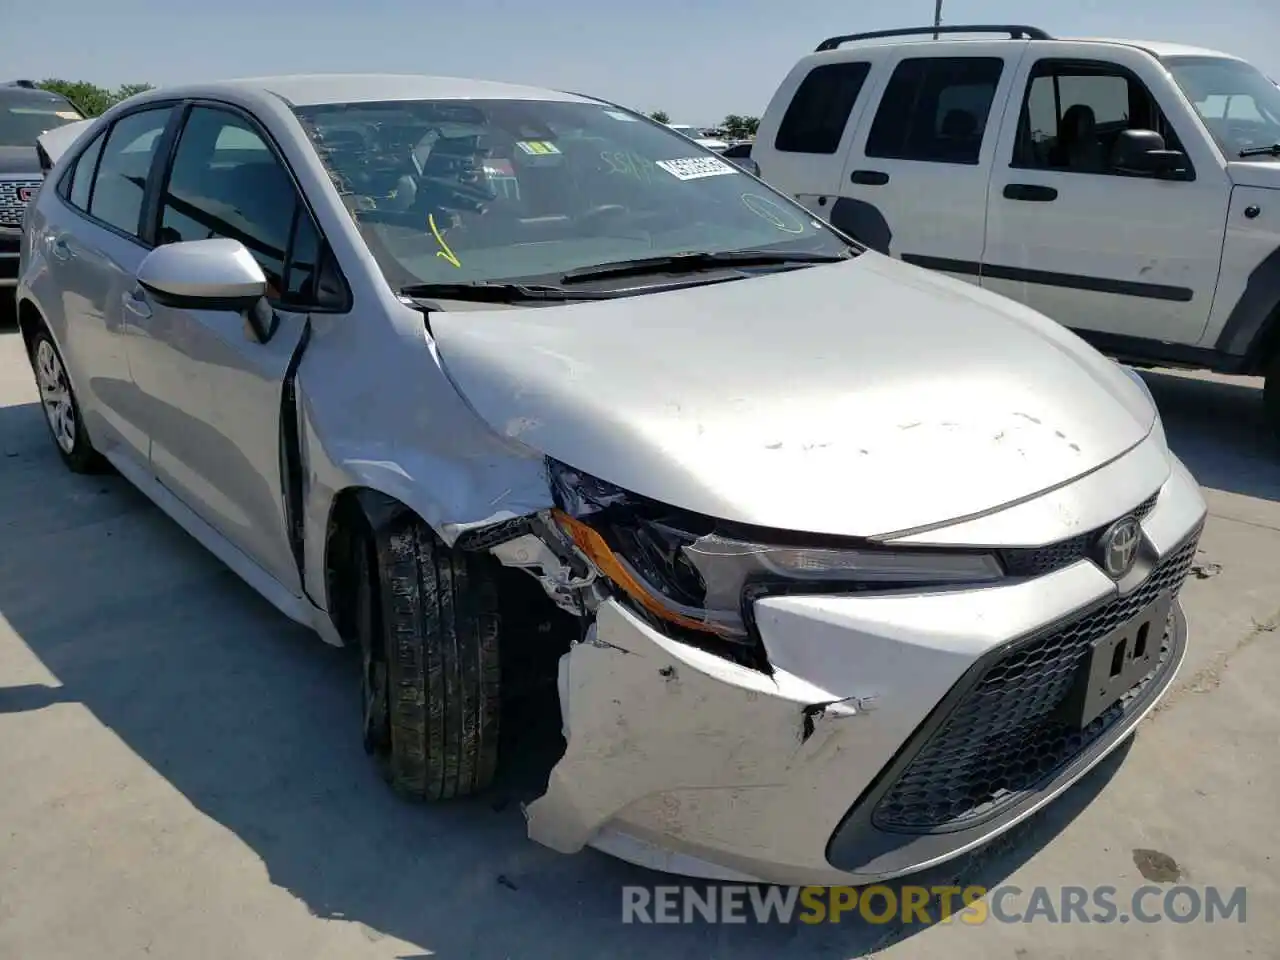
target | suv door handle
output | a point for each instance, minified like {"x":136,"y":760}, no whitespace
{"x":870,"y":178}
{"x":136,"y":303}
{"x":1031,"y":192}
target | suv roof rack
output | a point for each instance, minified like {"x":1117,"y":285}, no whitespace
{"x":1015,"y":32}
{"x":25,"y":84}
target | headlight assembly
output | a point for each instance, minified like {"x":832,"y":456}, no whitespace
{"x":689,"y":572}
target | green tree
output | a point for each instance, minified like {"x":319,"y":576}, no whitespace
{"x":739,"y":127}
{"x":89,"y":97}
{"x":127,"y":90}
{"x":660,"y":115}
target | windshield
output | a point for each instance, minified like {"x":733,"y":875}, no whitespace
{"x":23,"y":119}
{"x":1238,"y":104}
{"x":497,"y":190}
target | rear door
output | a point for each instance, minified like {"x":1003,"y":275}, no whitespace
{"x":915,"y":181}
{"x":806,"y":132}
{"x":93,"y":249}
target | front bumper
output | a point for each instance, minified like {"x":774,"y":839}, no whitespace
{"x":896,"y":733}
{"x":10,"y":251}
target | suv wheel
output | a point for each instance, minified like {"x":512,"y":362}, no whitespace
{"x":61,"y":410}
{"x":1271,"y":394}
{"x":428,"y":626}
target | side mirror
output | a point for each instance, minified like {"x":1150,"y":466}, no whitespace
{"x":215,"y":274}
{"x":749,"y":165}
{"x":1143,"y":153}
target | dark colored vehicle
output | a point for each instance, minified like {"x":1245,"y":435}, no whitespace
{"x":25,"y":113}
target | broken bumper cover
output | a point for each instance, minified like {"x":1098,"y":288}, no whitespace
{"x":897,"y":732}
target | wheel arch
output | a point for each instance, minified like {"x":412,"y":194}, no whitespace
{"x":355,"y":513}
{"x":1265,"y":344}
{"x":30,"y":319}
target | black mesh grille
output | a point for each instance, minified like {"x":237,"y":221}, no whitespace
{"x":1004,"y":738}
{"x":1037,"y":561}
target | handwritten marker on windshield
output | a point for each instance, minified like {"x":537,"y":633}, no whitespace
{"x":444,"y":250}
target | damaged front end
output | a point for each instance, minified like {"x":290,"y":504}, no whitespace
{"x":677,"y":706}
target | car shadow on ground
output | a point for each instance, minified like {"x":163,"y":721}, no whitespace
{"x":1216,"y":426}
{"x":255,"y":722}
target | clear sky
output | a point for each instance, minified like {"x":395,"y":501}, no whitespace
{"x":696,"y":59}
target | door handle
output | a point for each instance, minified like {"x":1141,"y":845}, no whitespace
{"x":136,"y":304}
{"x":870,"y":178}
{"x":60,"y":249}
{"x":1031,"y":192}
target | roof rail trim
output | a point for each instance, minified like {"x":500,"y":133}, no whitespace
{"x":1015,"y":32}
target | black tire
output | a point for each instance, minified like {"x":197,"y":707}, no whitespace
{"x":69,"y":435}
{"x":1271,"y":395}
{"x":427,"y":619}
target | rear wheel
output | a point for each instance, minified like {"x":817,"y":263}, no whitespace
{"x":61,"y":409}
{"x":1271,"y":394}
{"x":428,"y":626}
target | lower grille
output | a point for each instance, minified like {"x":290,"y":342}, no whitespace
{"x":1004,"y":739}
{"x":13,"y":200}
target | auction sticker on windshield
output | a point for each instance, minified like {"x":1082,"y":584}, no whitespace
{"x":695,"y":168}
{"x":538,"y":148}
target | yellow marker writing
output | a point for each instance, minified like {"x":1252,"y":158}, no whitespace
{"x":444,"y":250}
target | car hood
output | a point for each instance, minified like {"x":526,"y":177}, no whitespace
{"x":19,"y":160}
{"x":1263,"y":172}
{"x":858,"y":399}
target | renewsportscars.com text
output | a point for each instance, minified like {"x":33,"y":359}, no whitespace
{"x":920,"y":905}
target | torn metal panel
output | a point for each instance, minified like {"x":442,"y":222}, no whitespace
{"x":562,"y":583}
{"x":644,"y":713}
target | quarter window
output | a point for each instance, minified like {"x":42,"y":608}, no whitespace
{"x":816,"y":118}
{"x":82,"y":174}
{"x":116,"y":197}
{"x":936,"y":110}
{"x":226,"y":182}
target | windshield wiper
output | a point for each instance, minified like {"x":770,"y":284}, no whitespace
{"x":492,"y":291}
{"x":693,"y":262}
{"x":1271,"y":151}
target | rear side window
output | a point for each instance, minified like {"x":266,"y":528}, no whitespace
{"x":935,"y":110}
{"x":815,"y":120}
{"x":82,"y":174}
{"x":116,"y":198}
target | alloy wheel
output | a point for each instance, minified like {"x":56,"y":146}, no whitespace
{"x":55,"y":396}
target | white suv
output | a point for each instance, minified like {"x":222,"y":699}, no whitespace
{"x":1130,"y":190}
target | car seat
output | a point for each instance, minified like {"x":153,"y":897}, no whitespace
{"x":1078,"y":147}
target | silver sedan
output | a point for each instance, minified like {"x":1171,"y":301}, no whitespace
{"x":864,"y":564}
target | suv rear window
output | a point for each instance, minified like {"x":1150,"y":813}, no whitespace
{"x":26,"y":114}
{"x":935,"y":110}
{"x":815,"y":120}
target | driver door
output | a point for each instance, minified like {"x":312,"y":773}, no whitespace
{"x":212,"y":391}
{"x":1096,"y":248}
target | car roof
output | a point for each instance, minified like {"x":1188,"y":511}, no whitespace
{"x":15,"y":94}
{"x":1157,"y":48}
{"x":319,"y":89}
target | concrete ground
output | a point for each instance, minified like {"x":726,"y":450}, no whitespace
{"x":180,"y":774}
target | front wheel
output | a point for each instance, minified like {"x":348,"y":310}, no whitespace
{"x":428,"y":627}
{"x":1271,"y":395}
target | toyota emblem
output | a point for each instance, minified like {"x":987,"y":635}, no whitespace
{"x":1118,"y":547}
